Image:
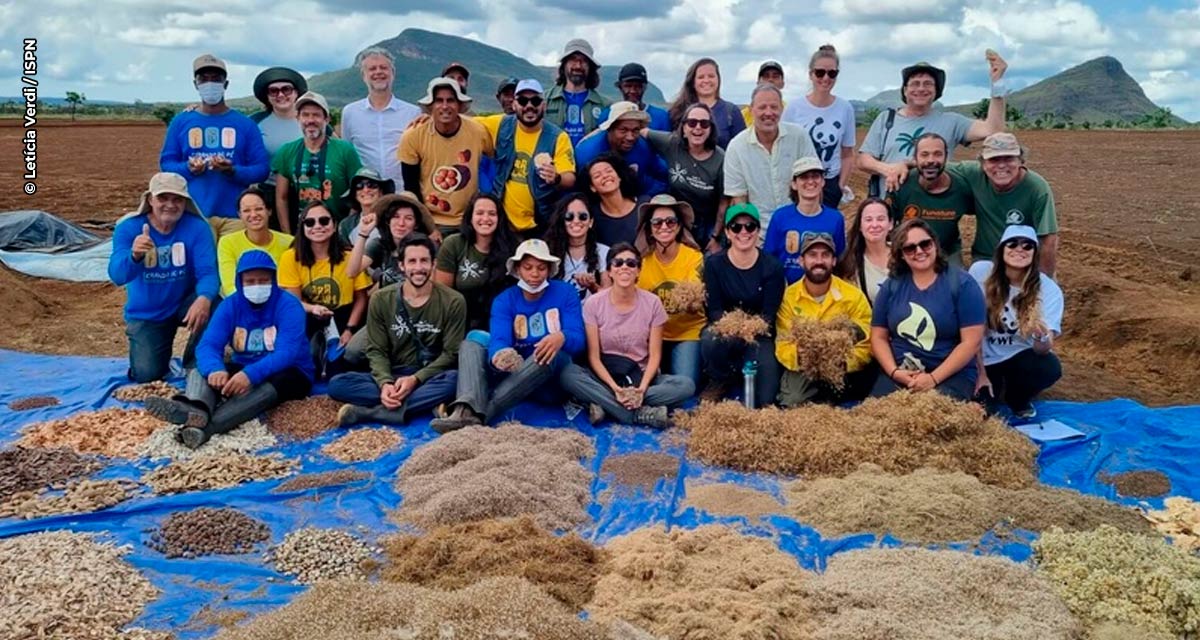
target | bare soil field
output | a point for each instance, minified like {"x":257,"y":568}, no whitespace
{"x":1128,"y":209}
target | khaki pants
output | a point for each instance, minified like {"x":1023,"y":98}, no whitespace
{"x":222,"y":227}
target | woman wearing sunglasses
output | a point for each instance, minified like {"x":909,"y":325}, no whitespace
{"x":473,"y":261}
{"x":315,"y":270}
{"x":366,"y":187}
{"x":572,"y":239}
{"x":397,"y":216}
{"x":928,"y":319}
{"x":1024,"y":316}
{"x":829,"y":121}
{"x":670,"y":256}
{"x":624,"y":326}
{"x":696,"y":169}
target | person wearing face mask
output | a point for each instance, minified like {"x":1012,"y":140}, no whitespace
{"x":414,"y":332}
{"x":314,"y":168}
{"x":830,"y":123}
{"x":264,"y":329}
{"x":218,"y":149}
{"x":934,"y":195}
{"x":536,"y":329}
{"x":573,"y":104}
{"x":621,"y":135}
{"x":255,"y":212}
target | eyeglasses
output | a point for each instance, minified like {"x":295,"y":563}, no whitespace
{"x":1018,"y":243}
{"x":664,"y":222}
{"x":925,"y":246}
{"x":821,"y":73}
{"x":739,"y":227}
{"x":918,"y":84}
{"x":281,"y":91}
{"x":632,"y":263}
{"x":525,"y":101}
{"x":366,"y":185}
{"x":582,"y":216}
{"x":323,"y":221}
{"x":697,"y":123}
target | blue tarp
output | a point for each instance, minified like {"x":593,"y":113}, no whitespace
{"x":1120,"y":435}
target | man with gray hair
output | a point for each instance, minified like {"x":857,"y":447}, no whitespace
{"x":375,"y":123}
{"x":758,"y":161}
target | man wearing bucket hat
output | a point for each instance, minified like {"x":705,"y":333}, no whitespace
{"x":1007,"y":193}
{"x":440,"y":156}
{"x":573,"y":103}
{"x":165,"y":257}
{"x":887,"y":150}
{"x":621,"y":133}
{"x":219,"y":150}
{"x":536,"y":328}
{"x":631,"y":82}
{"x":806,"y":213}
{"x":770,"y":72}
{"x":314,"y":168}
{"x":375,"y":123}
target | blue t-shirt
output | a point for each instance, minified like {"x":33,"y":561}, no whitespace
{"x":926,"y":323}
{"x":785,"y":233}
{"x":521,"y":324}
{"x":660,"y":119}
{"x":183,"y":262}
{"x":650,"y":168}
{"x":573,"y":124}
{"x":231,"y":135}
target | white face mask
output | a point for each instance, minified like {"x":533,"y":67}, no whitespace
{"x":211,"y":93}
{"x":257,"y":293}
{"x":525,"y":286}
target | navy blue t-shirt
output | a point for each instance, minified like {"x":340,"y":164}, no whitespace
{"x":574,"y":124}
{"x":926,"y":323}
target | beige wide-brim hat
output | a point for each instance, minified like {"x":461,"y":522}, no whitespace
{"x":624,"y":111}
{"x":683,"y":211}
{"x":536,"y":248}
{"x":437,"y":83}
{"x":167,"y":182}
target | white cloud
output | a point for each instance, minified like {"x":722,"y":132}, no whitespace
{"x":766,"y":35}
{"x":162,"y":37}
{"x":893,"y":11}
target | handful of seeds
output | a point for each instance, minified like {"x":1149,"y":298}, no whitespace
{"x":684,"y":298}
{"x":217,"y":472}
{"x":206,"y":531}
{"x":313,"y":554}
{"x":822,"y":348}
{"x":739,"y":325}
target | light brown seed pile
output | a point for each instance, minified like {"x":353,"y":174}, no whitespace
{"x":641,"y":470}
{"x":1179,"y":521}
{"x":111,"y":432}
{"x":720,"y":499}
{"x":918,"y":594}
{"x":1139,"y":484}
{"x":740,"y":325}
{"x":685,"y":297}
{"x":248,"y":437}
{"x":24,"y":469}
{"x":81,"y":496}
{"x":901,"y":432}
{"x":206,"y":531}
{"x":711,"y":582}
{"x":140,"y":392}
{"x":32,"y":402}
{"x":217,"y":472}
{"x":822,"y":348}
{"x":311,"y":554}
{"x":68,"y":586}
{"x":323,"y":479}
{"x":479,"y":473}
{"x":452,"y":557}
{"x":362,"y":445}
{"x":303,"y":419}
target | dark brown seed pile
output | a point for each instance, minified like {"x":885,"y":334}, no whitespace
{"x":206,"y":531}
{"x":323,"y":479}
{"x":1140,"y":484}
{"x":32,"y":402}
{"x":23,"y":469}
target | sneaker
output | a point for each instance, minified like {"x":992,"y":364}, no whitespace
{"x":176,"y":411}
{"x":1027,"y":413}
{"x":595,"y":413}
{"x":657,"y":417}
{"x":714,"y":391}
{"x":348,"y":414}
{"x":460,"y":418}
{"x":192,"y":437}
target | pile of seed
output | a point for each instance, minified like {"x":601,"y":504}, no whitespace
{"x":23,"y":469}
{"x":720,"y":499}
{"x":111,"y":432}
{"x":822,"y":347}
{"x":29,"y":403}
{"x":739,"y":325}
{"x":641,"y":470}
{"x":303,"y":419}
{"x":311,"y":554}
{"x":1139,"y":484}
{"x":685,"y":297}
{"x":246,"y":438}
{"x":206,"y":531}
{"x":318,"y":480}
{"x":139,"y":392}
{"x":217,"y":472}
{"x":479,"y":473}
{"x":67,"y":585}
{"x":363,"y":445}
{"x":82,"y":496}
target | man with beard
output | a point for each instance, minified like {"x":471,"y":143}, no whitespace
{"x":375,"y":123}
{"x":313,"y":168}
{"x":823,"y":297}
{"x":573,"y":102}
{"x":935,"y":195}
{"x":534,"y":161}
{"x":621,"y":133}
{"x":414,"y":331}
{"x":631,"y":82}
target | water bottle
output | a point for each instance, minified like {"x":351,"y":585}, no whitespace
{"x":749,"y":372}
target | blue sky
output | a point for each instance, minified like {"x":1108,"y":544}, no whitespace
{"x":134,"y":49}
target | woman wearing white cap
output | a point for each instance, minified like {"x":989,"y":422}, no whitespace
{"x":1024,"y":316}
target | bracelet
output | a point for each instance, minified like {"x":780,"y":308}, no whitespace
{"x":999,"y":89}
{"x":892,"y":375}
{"x":364,"y":236}
{"x":935,"y":380}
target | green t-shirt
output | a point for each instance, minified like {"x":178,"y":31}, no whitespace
{"x":1029,"y":203}
{"x":438,"y":324}
{"x":941,"y":210}
{"x":471,"y":277}
{"x":309,"y":183}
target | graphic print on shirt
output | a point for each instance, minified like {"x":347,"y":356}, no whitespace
{"x":679,"y":175}
{"x":825,"y":137}
{"x":323,"y":291}
{"x":907,"y":140}
{"x":470,"y":270}
{"x":918,"y":327}
{"x":168,"y":261}
{"x":214,"y":141}
{"x":1006,"y":333}
{"x":254,"y":341}
{"x":1015,"y":216}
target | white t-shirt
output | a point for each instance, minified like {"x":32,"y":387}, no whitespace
{"x":1000,"y":345}
{"x":874,"y":277}
{"x":571,"y":267}
{"x":278,"y":132}
{"x":830,"y":128}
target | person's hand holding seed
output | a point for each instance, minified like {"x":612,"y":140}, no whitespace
{"x":507,"y":360}
{"x":217,"y":379}
{"x":548,"y":347}
{"x":389,"y":395}
{"x":405,"y":386}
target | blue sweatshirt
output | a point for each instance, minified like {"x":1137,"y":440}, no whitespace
{"x":185,"y":263}
{"x":660,"y":119}
{"x":786,"y":231}
{"x":266,"y":338}
{"x":230,"y":134}
{"x":520,"y":324}
{"x":651,"y":169}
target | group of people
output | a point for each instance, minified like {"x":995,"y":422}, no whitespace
{"x":430,"y":259}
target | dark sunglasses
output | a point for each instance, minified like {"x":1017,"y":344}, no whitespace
{"x":525,"y":101}
{"x":738,"y":227}
{"x":632,"y":263}
{"x":281,"y":91}
{"x":582,"y":216}
{"x":664,"y":222}
{"x":323,"y":221}
{"x":366,"y":183}
{"x":1016,"y":243}
{"x":821,"y":73}
{"x":697,"y":123}
{"x":925,"y":245}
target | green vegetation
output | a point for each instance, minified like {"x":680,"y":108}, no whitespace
{"x":75,"y":99}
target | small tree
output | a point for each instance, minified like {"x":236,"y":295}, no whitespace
{"x":981,"y":109}
{"x":75,"y":99}
{"x":164,"y":113}
{"x":870,"y":114}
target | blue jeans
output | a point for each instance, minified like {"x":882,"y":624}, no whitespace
{"x":150,"y":345}
{"x":725,"y":357}
{"x":664,"y":390}
{"x":361,"y":389}
{"x":684,"y":356}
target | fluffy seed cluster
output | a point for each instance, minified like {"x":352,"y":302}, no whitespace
{"x":685,"y":297}
{"x":1180,"y":521}
{"x":110,"y":432}
{"x":720,"y":499}
{"x":362,"y":445}
{"x":206,"y":531}
{"x":739,"y":325}
{"x":311,"y":555}
{"x":217,"y":472}
{"x":822,"y":348}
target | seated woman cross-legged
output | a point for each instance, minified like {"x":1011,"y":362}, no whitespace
{"x":928,"y":319}
{"x":1024,"y":315}
{"x":624,"y":326}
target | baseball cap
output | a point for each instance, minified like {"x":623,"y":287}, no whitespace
{"x":314,"y":98}
{"x":167,"y":182}
{"x":434,"y":84}
{"x":806,"y":163}
{"x":769,"y":64}
{"x":578,"y":45}
{"x":743,"y":209}
{"x":999,"y":145}
{"x":208,"y":61}
{"x":529,"y":85}
{"x":1019,"y":231}
{"x":457,"y":65}
{"x":810,"y":239}
{"x":633,"y":71}
{"x":506,"y":83}
{"x":624,"y":110}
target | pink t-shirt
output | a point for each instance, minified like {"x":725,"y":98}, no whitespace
{"x":626,"y":334}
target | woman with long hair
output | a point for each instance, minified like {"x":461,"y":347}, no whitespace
{"x":1024,"y":316}
{"x":696,"y":169}
{"x":928,"y":319}
{"x":366,"y":187}
{"x":397,"y":216}
{"x":865,"y":262}
{"x":572,"y":239}
{"x":613,"y":199}
{"x":473,"y":261}
{"x":702,"y":83}
{"x":830,"y":122}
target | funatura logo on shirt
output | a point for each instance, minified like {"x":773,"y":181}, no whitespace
{"x":918,"y":327}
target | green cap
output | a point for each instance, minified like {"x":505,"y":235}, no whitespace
{"x":745,"y":208}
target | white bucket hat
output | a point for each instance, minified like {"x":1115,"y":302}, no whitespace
{"x":536,"y":248}
{"x":443,"y":82}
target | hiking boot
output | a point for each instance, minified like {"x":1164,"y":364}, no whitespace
{"x":595,"y":413}
{"x":1026,"y":413}
{"x":177,"y":411}
{"x":193,"y":437}
{"x":656,"y":417}
{"x":714,"y":391}
{"x":349,"y":414}
{"x":459,"y":418}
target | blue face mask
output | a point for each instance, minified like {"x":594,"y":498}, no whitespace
{"x":257,"y":293}
{"x":211,"y":93}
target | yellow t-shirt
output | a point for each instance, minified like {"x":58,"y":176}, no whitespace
{"x":321,"y":284}
{"x":449,"y":166}
{"x":518,"y":201}
{"x":659,"y":278}
{"x":231,"y":248}
{"x":749,"y":117}
{"x":842,"y":300}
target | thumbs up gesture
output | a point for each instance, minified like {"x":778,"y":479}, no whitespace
{"x":142,"y":244}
